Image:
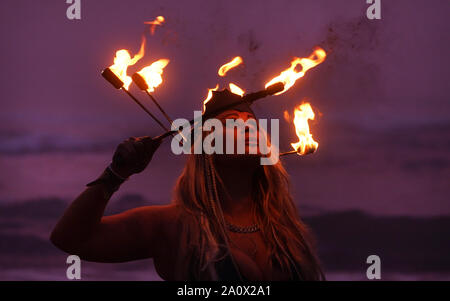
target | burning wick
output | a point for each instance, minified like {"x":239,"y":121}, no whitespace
{"x":114,"y":80}
{"x":140,"y":82}
{"x":149,"y":78}
{"x":289,"y":76}
{"x":117,"y":75}
{"x":306,"y":144}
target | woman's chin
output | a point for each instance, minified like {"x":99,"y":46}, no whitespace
{"x":252,"y":149}
{"x":238,"y":157}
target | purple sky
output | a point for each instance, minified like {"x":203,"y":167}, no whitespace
{"x":384,"y":125}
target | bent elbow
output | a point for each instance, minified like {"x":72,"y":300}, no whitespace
{"x":57,"y":241}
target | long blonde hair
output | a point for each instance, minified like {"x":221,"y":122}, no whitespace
{"x":287,"y":237}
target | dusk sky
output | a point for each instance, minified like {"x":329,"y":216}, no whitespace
{"x":381,"y":95}
{"x":378,"y":183}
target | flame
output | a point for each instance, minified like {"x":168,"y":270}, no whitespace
{"x":286,"y":116}
{"x":209,"y":96}
{"x":158,"y":21}
{"x":306,"y":143}
{"x":236,"y":90}
{"x":233,"y":63}
{"x":121,"y":62}
{"x":289,"y":76}
{"x":152,"y":74}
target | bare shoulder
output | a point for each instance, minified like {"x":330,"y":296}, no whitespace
{"x":167,"y":237}
{"x":171,"y":238}
{"x":158,"y":215}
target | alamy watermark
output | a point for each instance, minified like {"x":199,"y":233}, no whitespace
{"x":73,"y":12}
{"x":374,"y":9}
{"x":73,"y":272}
{"x":374,"y":270}
{"x":234,"y":136}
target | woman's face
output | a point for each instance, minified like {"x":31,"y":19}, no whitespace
{"x":247,"y":133}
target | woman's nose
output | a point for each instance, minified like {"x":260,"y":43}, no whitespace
{"x":250,"y":129}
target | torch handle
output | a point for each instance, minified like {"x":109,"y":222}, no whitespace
{"x":165,"y":135}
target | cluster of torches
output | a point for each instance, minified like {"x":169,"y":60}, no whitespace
{"x":150,"y":77}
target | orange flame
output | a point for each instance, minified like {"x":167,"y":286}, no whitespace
{"x":230,"y":65}
{"x":236,"y":90}
{"x":289,"y":76}
{"x":121,"y":62}
{"x":306,"y":143}
{"x":209,"y":96}
{"x":286,"y":116}
{"x":152,"y":74}
{"x":158,"y":21}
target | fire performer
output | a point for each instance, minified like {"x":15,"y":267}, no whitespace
{"x":231,"y":218}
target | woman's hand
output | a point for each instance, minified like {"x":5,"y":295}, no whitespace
{"x":133,"y":155}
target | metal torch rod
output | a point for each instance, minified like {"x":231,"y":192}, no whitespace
{"x":144,"y":108}
{"x":142,"y":84}
{"x":172,"y":133}
{"x":308,"y":152}
{"x":112,"y":78}
{"x":159,"y":107}
{"x":288,"y":153}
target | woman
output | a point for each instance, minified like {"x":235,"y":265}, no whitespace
{"x":231,"y":218}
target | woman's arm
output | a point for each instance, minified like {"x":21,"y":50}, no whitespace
{"x":131,"y":235}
